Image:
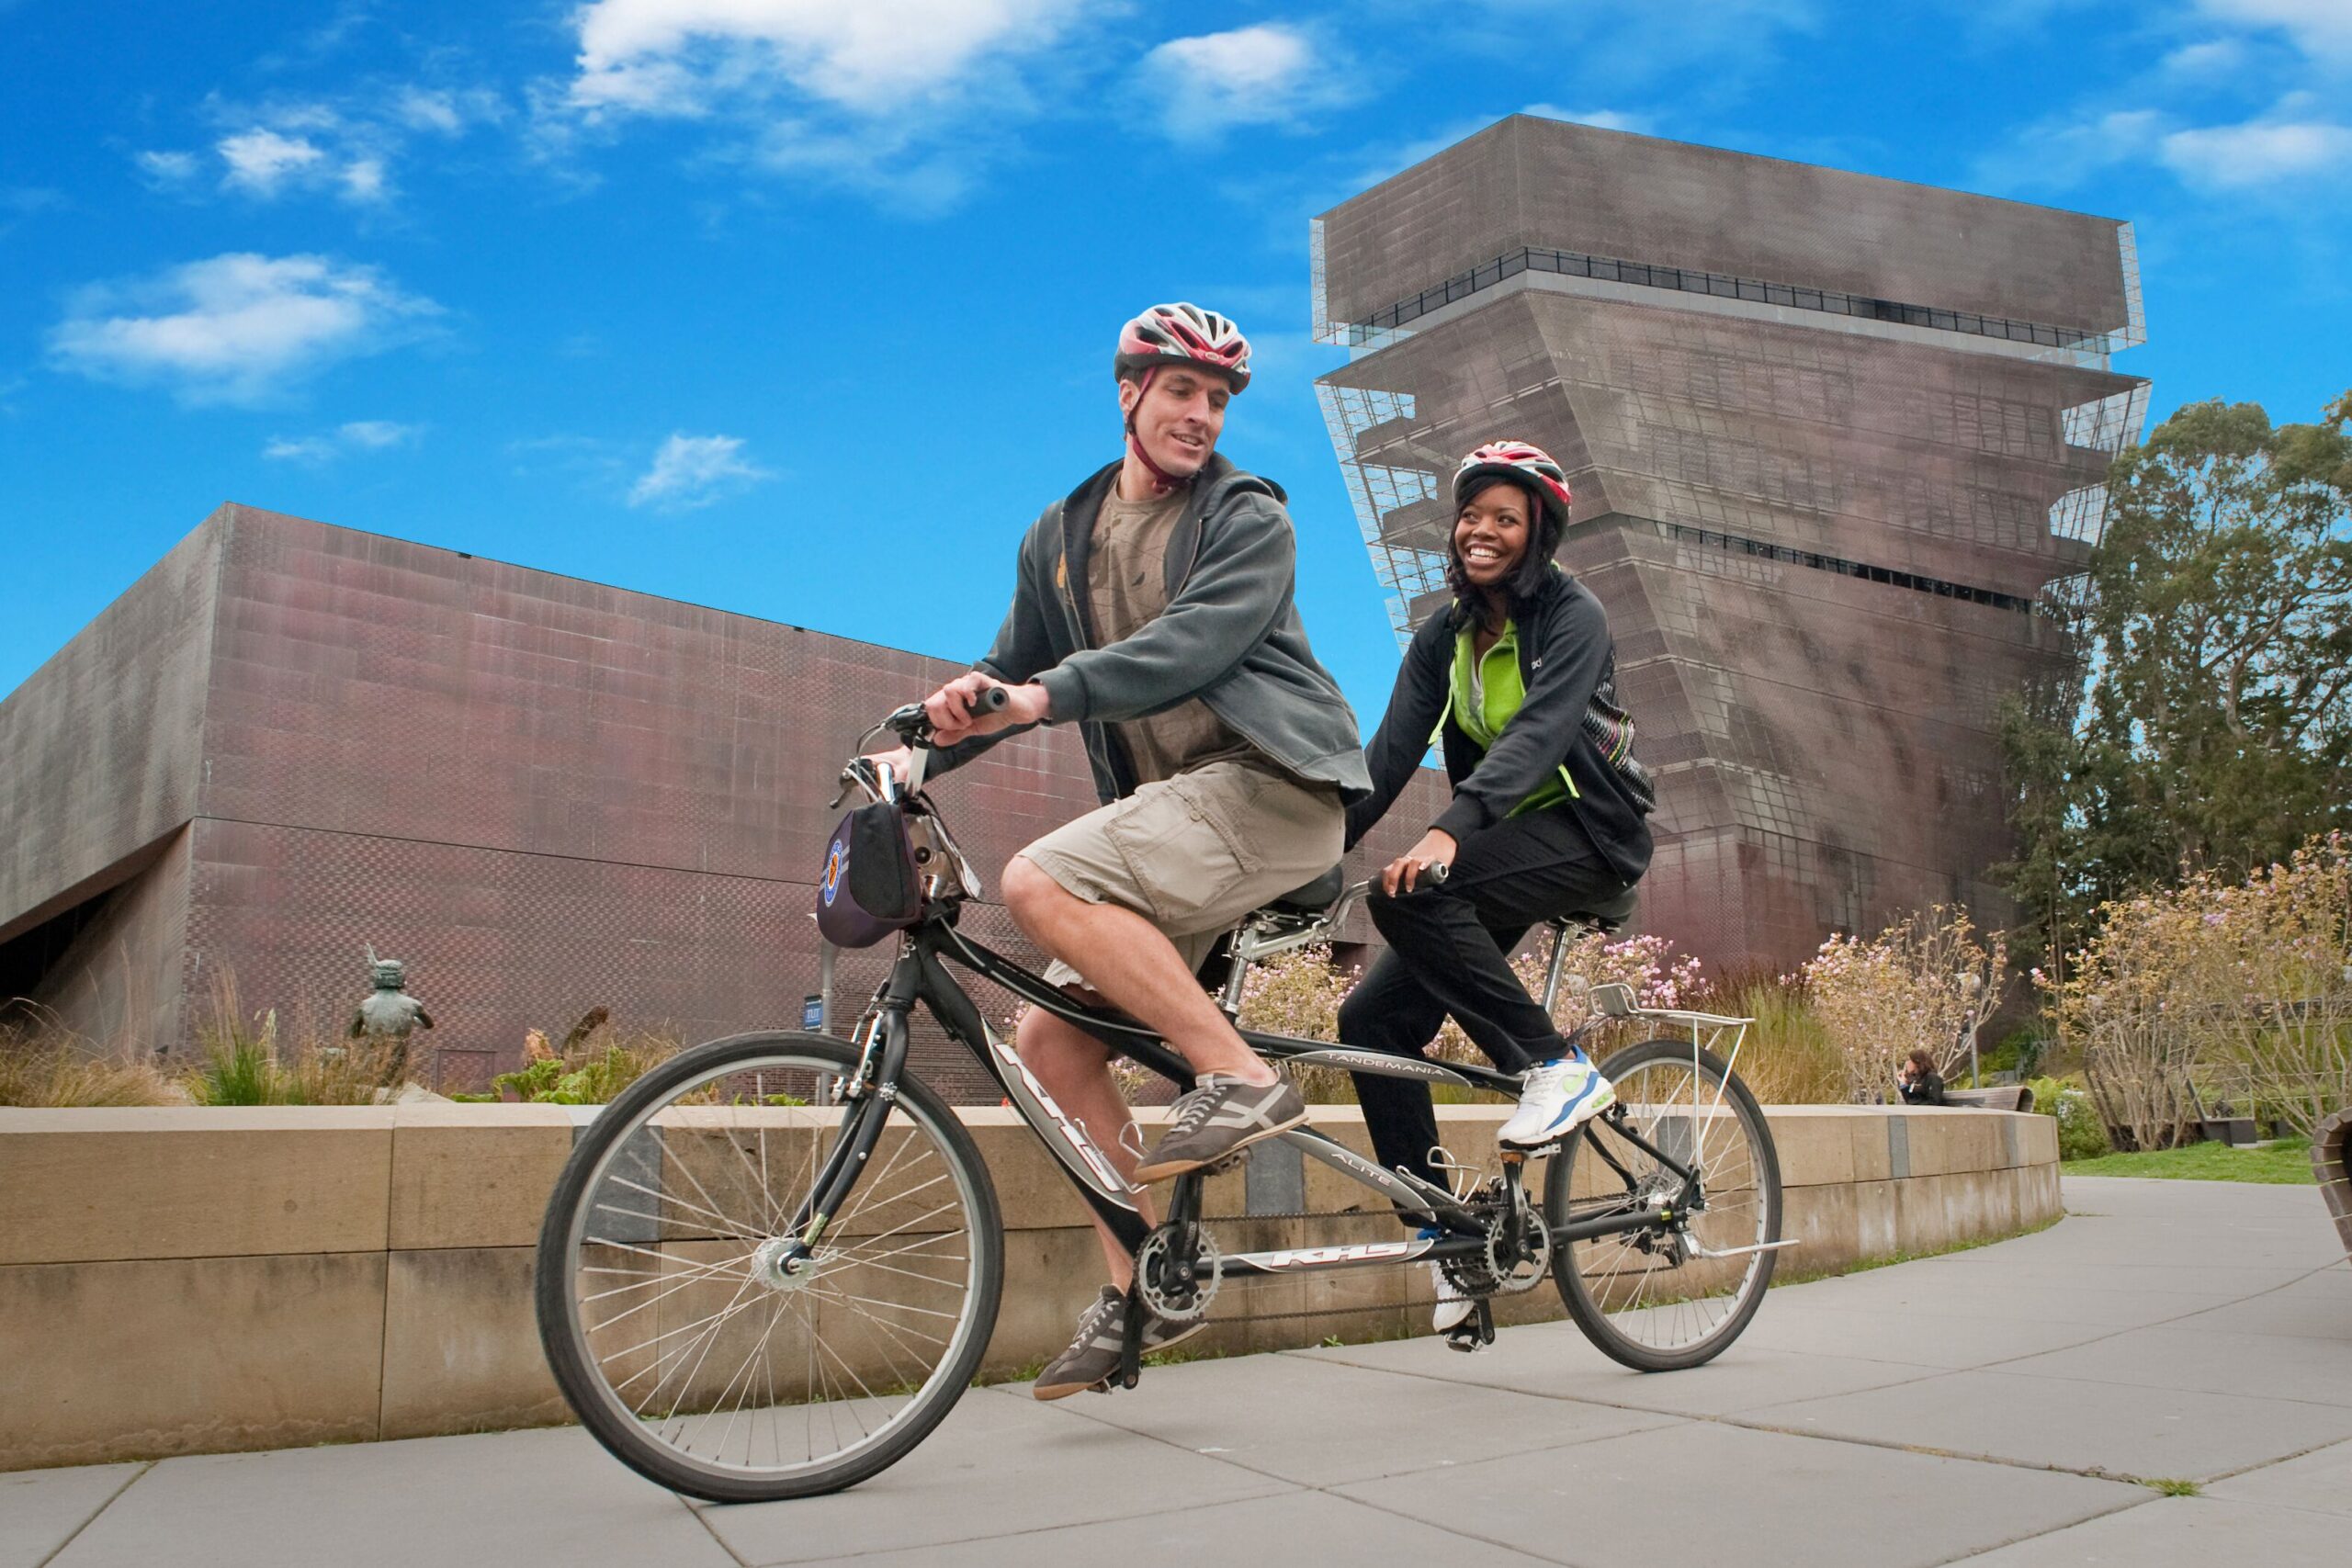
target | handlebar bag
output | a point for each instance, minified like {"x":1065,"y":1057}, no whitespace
{"x":868,"y":888}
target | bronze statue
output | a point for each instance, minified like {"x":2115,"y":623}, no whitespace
{"x":390,"y":1013}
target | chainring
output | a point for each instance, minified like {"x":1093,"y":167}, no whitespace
{"x":1528,"y":1272}
{"x":1156,"y":1253}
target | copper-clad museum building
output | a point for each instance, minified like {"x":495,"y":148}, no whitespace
{"x":1829,"y":436}
{"x":288,"y":742}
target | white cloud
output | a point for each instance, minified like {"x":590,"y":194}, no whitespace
{"x":237,"y":328}
{"x":2214,"y":57}
{"x":446,"y":111}
{"x":166,"y":168}
{"x":1256,"y":75}
{"x":907,"y":99}
{"x":307,"y":147}
{"x":346,"y":147}
{"x":377,"y":433}
{"x":355,"y":435}
{"x":691,"y":471}
{"x":363,"y":179}
{"x":2057,"y":154}
{"x":2258,"y":154}
{"x":261,"y":161}
{"x":2321,"y":29}
{"x":306,"y":449}
{"x":1606,"y":119}
{"x":678,"y":56}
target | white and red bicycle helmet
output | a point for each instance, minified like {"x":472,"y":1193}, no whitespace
{"x":1525,"y":464}
{"x":1184,"y":334}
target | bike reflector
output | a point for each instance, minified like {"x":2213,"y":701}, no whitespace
{"x":868,"y":888}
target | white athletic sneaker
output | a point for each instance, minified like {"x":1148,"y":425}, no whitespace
{"x":1557,"y":1097}
{"x":1453,"y":1308}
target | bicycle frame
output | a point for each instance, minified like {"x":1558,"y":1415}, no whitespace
{"x":920,"y":976}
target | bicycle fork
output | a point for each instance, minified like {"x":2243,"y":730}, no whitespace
{"x":868,"y":1093}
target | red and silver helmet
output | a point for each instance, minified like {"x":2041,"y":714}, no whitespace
{"x":1184,"y":334}
{"x":1528,"y":466}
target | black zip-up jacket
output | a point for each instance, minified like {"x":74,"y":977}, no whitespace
{"x":1230,"y":636}
{"x":1566,"y":659}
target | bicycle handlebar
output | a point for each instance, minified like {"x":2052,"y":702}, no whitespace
{"x":911,"y":725}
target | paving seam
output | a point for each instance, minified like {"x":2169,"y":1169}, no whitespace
{"x":733,"y":1556}
{"x":1673,"y":1415}
{"x":2163,"y":1322}
{"x":1005,"y":1535}
{"x":1332,"y":1489}
{"x":2054,"y":1530}
{"x":2344,"y":1405}
{"x":112,"y":1498}
{"x":1728,"y":1419}
{"x":1036,"y":1529}
{"x":1928,"y":1374}
{"x":2282,"y":1459}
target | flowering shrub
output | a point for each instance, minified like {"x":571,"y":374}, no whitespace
{"x":1925,"y":982}
{"x":2212,"y":981}
{"x":1298,"y":993}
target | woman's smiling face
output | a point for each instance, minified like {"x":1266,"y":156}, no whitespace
{"x":1490,"y":534}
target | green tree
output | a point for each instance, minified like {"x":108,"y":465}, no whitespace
{"x":2209,"y":722}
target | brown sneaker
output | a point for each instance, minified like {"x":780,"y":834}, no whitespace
{"x":1092,"y":1358}
{"x":1221,"y":1117}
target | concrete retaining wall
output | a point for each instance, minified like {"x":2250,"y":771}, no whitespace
{"x":197,"y":1281}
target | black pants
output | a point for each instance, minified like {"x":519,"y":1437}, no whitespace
{"x":1449,"y":948}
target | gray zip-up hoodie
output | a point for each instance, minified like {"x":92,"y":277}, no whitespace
{"x":1230,"y":636}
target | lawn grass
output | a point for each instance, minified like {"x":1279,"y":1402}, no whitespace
{"x":2286,"y":1162}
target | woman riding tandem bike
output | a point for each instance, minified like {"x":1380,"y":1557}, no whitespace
{"x":1517,"y":682}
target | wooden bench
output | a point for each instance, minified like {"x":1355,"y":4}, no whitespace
{"x":2000,"y":1097}
{"x":2331,"y":1151}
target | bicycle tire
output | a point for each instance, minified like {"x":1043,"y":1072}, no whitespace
{"x":1627,"y":1323}
{"x":685,"y":1262}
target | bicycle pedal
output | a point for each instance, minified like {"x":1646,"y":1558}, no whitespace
{"x":1466,"y":1340}
{"x":1231,"y":1162}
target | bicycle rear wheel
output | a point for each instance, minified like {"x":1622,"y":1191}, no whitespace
{"x":672,"y":1328}
{"x":1651,"y":1297}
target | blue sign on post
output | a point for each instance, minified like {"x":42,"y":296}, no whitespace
{"x":812,"y":1012}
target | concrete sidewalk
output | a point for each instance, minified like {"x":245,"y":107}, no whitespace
{"x":2001,"y":1406}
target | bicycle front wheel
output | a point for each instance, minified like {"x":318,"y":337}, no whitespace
{"x":697,"y":1345}
{"x":1672,"y":1295}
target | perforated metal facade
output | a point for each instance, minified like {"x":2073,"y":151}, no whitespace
{"x":1830,"y":435}
{"x":290,"y":741}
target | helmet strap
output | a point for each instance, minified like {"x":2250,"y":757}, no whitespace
{"x":1163,"y":481}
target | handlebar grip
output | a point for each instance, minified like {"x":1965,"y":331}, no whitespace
{"x":991,"y":700}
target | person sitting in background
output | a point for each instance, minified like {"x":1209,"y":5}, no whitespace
{"x":1919,"y":1081}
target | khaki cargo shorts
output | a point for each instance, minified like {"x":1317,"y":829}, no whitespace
{"x":1194,"y":853}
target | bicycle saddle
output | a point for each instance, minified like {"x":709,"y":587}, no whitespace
{"x":1313,"y":898}
{"x":1602,"y":914}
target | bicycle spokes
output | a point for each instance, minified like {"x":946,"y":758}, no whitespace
{"x":728,"y":1322}
{"x":1686,"y":1154}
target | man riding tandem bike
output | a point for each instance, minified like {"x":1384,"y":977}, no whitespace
{"x":772,"y":1265}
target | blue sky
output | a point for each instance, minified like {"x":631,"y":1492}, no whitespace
{"x":803,"y":307}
